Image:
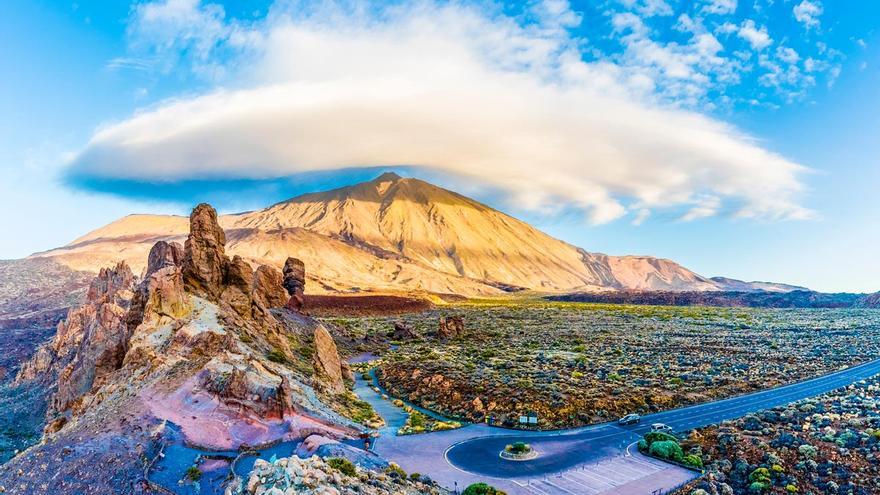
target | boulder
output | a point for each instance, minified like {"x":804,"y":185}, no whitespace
{"x":403,"y":332}
{"x":295,"y":283}
{"x":451,"y":327}
{"x":326,"y":361}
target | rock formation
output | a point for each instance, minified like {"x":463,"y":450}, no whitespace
{"x":295,"y":283}
{"x":89,"y":344}
{"x":403,"y":332}
{"x":201,"y":342}
{"x":326,"y":360}
{"x":204,"y":260}
{"x":451,"y":327}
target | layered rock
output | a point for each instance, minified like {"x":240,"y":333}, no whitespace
{"x":295,"y":283}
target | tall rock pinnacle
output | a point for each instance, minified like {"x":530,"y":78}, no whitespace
{"x":204,"y":261}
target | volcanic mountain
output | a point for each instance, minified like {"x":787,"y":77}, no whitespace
{"x":393,"y":234}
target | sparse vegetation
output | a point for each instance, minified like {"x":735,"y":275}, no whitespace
{"x":570,"y":364}
{"x":344,"y":466}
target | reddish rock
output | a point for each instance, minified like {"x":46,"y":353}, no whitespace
{"x":403,"y":332}
{"x":451,"y":327}
{"x":204,"y":261}
{"x":328,"y":366}
{"x":267,"y":289}
{"x":295,"y":283}
{"x":90,"y":344}
{"x":238,"y":282}
{"x":162,"y":255}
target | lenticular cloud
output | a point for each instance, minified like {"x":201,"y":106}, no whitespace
{"x":508,"y":102}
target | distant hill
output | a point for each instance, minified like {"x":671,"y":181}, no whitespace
{"x":751,"y":298}
{"x":734,"y":285}
{"x":394,"y":234}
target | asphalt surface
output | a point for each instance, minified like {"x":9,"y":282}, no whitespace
{"x":560,"y":451}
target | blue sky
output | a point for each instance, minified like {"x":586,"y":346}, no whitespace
{"x":737,"y":138}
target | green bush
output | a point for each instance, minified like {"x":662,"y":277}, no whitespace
{"x":193,"y":473}
{"x":277,"y":356}
{"x":344,"y":466}
{"x":518,"y":448}
{"x":667,"y":449}
{"x":659,"y":436}
{"x":481,"y":489}
{"x":693,"y":461}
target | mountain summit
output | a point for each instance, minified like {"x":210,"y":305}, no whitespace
{"x":394,"y":234}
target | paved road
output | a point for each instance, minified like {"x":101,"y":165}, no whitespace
{"x":561,"y":451}
{"x":456,"y":458}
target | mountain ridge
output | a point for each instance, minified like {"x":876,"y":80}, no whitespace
{"x":395,"y":234}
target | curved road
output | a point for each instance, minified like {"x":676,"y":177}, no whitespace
{"x":559,"y":451}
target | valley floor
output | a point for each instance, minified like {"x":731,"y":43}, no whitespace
{"x":597,"y":459}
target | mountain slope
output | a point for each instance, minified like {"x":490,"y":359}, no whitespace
{"x":394,"y":234}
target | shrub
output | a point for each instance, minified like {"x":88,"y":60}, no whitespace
{"x":757,"y":487}
{"x":344,"y":466}
{"x":395,"y":471}
{"x":518,"y":448}
{"x":481,"y":489}
{"x":277,"y":356}
{"x":693,"y":461}
{"x":415,"y":476}
{"x":659,"y":436}
{"x":193,"y":473}
{"x":667,"y":449}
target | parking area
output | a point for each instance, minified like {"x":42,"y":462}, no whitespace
{"x":623,"y":475}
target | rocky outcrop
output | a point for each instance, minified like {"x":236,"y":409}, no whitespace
{"x":328,"y":365}
{"x":403,"y":332}
{"x":450,"y":327}
{"x":204,"y":260}
{"x":162,"y":255}
{"x":314,"y":476}
{"x":295,"y":283}
{"x":267,"y":289}
{"x":201,"y":342}
{"x":90,"y":344}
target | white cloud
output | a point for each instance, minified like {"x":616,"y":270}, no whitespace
{"x":720,"y":7}
{"x":454,"y":89}
{"x":758,"y":38}
{"x":808,"y":12}
{"x":704,"y":207}
{"x":649,"y":8}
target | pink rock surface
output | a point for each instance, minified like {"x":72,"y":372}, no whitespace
{"x":208,"y":423}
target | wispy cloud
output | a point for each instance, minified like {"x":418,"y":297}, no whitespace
{"x":507,"y":101}
{"x":808,"y":12}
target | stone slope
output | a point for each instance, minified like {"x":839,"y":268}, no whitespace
{"x":394,"y":234}
{"x":202,"y":341}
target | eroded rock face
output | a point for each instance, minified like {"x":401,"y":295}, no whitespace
{"x":295,"y":283}
{"x":326,"y":361}
{"x":90,"y":344}
{"x":204,"y":259}
{"x":196,"y":342}
{"x":162,"y":255}
{"x":451,"y":327}
{"x":267,"y":289}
